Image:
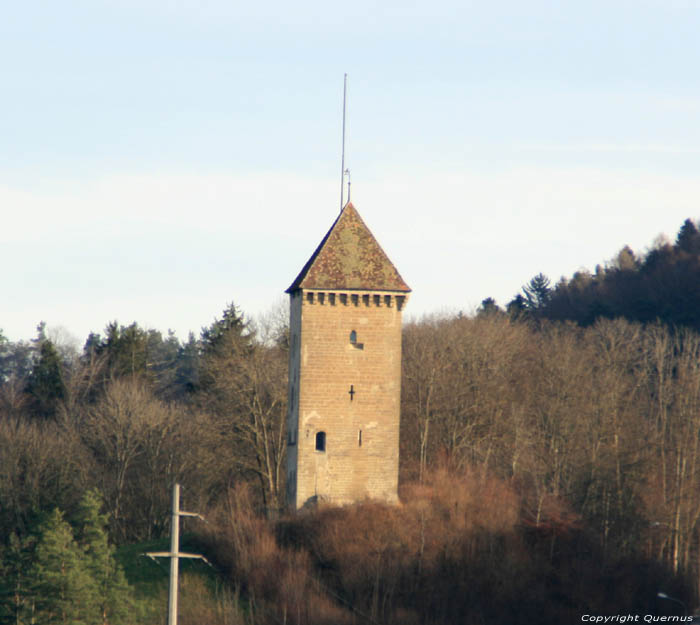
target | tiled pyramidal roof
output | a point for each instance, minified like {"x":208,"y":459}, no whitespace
{"x":350,"y":258}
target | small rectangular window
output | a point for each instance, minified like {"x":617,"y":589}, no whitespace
{"x":377,"y":300}
{"x":331,"y":299}
{"x":344,"y":299}
{"x":310,"y":298}
{"x":355,"y":299}
{"x":322,"y":298}
{"x":365,"y":300}
{"x":359,"y":438}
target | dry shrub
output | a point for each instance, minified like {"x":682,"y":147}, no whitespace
{"x":199,"y":605}
{"x":458,"y":549}
{"x":423,"y":561}
{"x":465,"y":500}
{"x":245,"y":546}
{"x":277,"y":581}
{"x":367,"y":547}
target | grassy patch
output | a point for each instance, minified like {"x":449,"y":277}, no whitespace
{"x":149,"y":577}
{"x":202,"y":589}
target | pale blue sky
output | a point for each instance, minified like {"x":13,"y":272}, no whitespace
{"x":160,"y":159}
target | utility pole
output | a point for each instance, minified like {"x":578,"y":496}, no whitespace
{"x":174,"y":553}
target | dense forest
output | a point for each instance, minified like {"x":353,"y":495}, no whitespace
{"x":550,"y":465}
{"x":663,"y":284}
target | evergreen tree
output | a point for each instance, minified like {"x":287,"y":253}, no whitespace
{"x":626,"y":260}
{"x":162,"y":367}
{"x":15,"y":360}
{"x":4,"y":349}
{"x":15,"y":562}
{"x":488,"y":307}
{"x":516,"y":307}
{"x":60,"y":581}
{"x":5,"y":353}
{"x":230,"y":325}
{"x":127,"y":349}
{"x":136,"y":352}
{"x":537,"y":292}
{"x":45,"y":382}
{"x":114,"y":594}
{"x":226,"y":340}
{"x":188,"y":366}
{"x":688,"y":239}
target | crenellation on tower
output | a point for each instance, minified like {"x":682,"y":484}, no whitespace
{"x":345,"y":298}
{"x":345,"y":370}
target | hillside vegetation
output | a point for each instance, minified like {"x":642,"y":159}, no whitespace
{"x":549,"y":469}
{"x":662,"y":284}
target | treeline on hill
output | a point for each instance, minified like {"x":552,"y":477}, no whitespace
{"x":663,"y":284}
{"x":548,"y":470}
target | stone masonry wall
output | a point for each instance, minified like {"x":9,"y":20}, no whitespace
{"x":293,"y":396}
{"x":362,"y":428}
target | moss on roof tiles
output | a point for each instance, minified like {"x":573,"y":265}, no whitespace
{"x":349,"y":257}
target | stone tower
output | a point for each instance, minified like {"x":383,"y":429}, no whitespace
{"x":345,"y":370}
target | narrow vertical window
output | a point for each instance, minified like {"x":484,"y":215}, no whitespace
{"x":320,"y":441}
{"x":359,"y":438}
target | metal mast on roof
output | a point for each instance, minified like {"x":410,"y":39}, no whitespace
{"x":344,"y":171}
